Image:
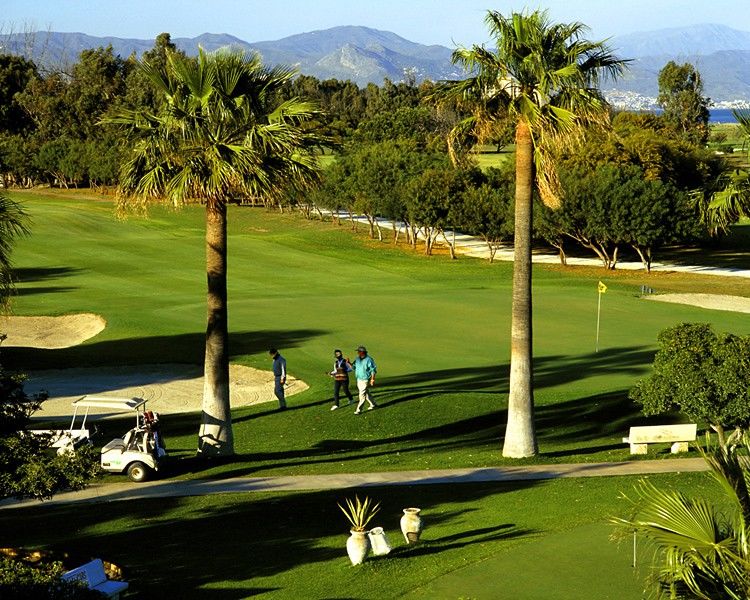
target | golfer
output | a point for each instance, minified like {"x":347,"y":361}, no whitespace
{"x":364,"y":370}
{"x":279,"y":376}
{"x":341,"y":369}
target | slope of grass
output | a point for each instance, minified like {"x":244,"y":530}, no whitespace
{"x":438,"y":330}
{"x":291,"y":545}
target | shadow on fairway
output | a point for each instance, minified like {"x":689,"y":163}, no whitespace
{"x":218,"y":547}
{"x":506,"y":531}
{"x":578,"y":422}
{"x":182,"y":348}
{"x":36,"y":274}
{"x":548,"y":371}
{"x":27,"y":276}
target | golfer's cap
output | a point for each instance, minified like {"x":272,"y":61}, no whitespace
{"x":337,"y":351}
{"x":361,"y":349}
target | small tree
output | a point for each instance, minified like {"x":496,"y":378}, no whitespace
{"x":433,"y":196}
{"x":685,"y":106}
{"x":487,"y":212}
{"x":28,"y":467}
{"x":702,"y":374}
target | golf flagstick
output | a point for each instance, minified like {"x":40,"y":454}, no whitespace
{"x":601,"y":289}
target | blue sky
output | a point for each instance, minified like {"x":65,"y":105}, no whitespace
{"x":426,"y":21}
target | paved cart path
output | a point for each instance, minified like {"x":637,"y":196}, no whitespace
{"x":110,"y":492}
{"x":468,"y":245}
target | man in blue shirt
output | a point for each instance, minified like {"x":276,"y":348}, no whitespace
{"x":279,"y":376}
{"x":364,"y":370}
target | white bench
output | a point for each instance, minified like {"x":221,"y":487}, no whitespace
{"x":677,"y":435}
{"x":93,"y":576}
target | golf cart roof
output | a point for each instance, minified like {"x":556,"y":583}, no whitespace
{"x":126,"y":404}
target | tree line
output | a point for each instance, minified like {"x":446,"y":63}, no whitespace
{"x":51,"y":129}
{"x":638,"y":185}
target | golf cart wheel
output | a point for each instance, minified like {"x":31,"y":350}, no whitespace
{"x":138,"y":472}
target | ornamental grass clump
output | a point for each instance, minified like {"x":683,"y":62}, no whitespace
{"x":359,"y":512}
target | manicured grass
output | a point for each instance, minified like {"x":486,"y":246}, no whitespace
{"x":487,"y":156}
{"x":524,"y":540}
{"x":438,"y":330}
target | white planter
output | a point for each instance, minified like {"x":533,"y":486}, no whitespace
{"x":357,"y":547}
{"x":411,"y":525}
{"x":378,"y":541}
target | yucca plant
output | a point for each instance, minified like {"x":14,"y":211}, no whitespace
{"x":359,"y":512}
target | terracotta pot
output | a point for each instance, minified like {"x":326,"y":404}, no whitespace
{"x":357,"y":546}
{"x":411,"y":525}
{"x":378,"y":541}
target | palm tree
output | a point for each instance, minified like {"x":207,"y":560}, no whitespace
{"x":702,"y":548}
{"x":732,"y":201}
{"x":543,"y":76}
{"x":13,"y":221}
{"x":221,"y":133}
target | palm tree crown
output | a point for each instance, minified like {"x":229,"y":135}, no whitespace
{"x":13,"y":224}
{"x":543,"y":74}
{"x":732,"y":201}
{"x":701,"y":546}
{"x":220,"y":132}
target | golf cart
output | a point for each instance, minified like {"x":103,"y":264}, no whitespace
{"x":137,"y":453}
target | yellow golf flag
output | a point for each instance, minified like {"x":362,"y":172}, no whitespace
{"x":602,"y":288}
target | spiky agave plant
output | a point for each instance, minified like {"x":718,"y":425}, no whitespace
{"x":359,"y":512}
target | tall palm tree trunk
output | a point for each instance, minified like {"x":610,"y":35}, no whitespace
{"x":520,"y":437}
{"x":215,"y":436}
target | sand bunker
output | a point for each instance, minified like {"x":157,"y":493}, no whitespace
{"x":169,"y":388}
{"x":51,"y":332}
{"x":712,"y":301}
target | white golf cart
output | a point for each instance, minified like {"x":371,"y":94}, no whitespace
{"x":137,"y":453}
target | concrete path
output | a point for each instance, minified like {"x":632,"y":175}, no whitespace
{"x":127,"y":490}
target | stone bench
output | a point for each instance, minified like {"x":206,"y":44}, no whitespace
{"x":93,"y":576}
{"x":678,"y":435}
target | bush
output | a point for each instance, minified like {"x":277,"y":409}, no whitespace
{"x":29,"y":468}
{"x":22,"y":581}
{"x":704,"y":375}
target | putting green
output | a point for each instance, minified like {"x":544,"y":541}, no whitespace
{"x":548,"y":568}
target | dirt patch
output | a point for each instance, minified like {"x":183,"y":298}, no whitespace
{"x":711,"y":301}
{"x":168,"y":388}
{"x":51,"y":332}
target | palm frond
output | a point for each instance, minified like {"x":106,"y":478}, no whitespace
{"x":540,"y":72}
{"x":701,"y":551}
{"x":222,"y":132}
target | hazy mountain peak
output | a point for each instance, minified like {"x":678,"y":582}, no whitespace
{"x":363,"y":54}
{"x":693,"y":40}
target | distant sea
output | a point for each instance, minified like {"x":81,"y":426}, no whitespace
{"x":721,"y":115}
{"x":715,"y":115}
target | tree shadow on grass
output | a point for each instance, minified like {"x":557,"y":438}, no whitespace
{"x":548,"y":371}
{"x":577,"y":422}
{"x":36,"y":274}
{"x":183,"y":547}
{"x":30,"y":291}
{"x":457,"y":541}
{"x":602,"y":419}
{"x":186,"y":348}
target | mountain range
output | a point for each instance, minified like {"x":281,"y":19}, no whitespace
{"x":365,"y":55}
